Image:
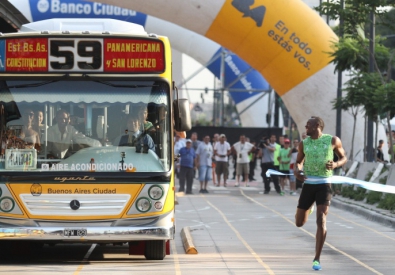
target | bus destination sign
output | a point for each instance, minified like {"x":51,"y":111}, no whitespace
{"x":93,"y":55}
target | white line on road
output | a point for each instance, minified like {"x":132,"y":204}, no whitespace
{"x":312,"y":235}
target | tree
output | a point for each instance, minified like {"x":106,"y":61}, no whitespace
{"x":370,"y":90}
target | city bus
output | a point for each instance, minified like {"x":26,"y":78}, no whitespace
{"x":88,"y":110}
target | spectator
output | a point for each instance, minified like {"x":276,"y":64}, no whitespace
{"x":195,"y":145}
{"x":276,"y":151}
{"x":267,"y":155}
{"x":292,"y":180}
{"x":187,"y":167}
{"x":178,"y":144}
{"x":253,"y":157}
{"x":214,"y":141}
{"x":380,"y":154}
{"x":222,"y":151}
{"x":284,"y":160}
{"x":204,"y":155}
{"x":242,"y":149}
{"x":281,"y":141}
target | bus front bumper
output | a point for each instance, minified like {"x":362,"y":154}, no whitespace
{"x":88,"y":234}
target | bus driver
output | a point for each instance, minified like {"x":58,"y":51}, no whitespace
{"x":62,"y":136}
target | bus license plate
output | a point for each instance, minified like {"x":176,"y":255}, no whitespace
{"x":75,"y":232}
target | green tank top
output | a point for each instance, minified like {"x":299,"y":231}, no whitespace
{"x":317,"y":153}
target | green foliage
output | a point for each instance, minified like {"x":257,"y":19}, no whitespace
{"x":368,"y":175}
{"x":354,"y":13}
{"x":383,"y":180}
{"x":352,"y":53}
{"x":388,"y":202}
{"x":347,"y":191}
{"x":373,"y":197}
{"x":384,"y":98}
{"x":358,"y":194}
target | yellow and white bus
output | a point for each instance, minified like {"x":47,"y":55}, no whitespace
{"x":87,"y":114}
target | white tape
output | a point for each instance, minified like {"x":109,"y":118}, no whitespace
{"x":345,"y":180}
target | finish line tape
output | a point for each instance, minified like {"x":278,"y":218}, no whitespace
{"x":343,"y":180}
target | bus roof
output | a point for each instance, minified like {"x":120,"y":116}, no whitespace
{"x":84,"y":24}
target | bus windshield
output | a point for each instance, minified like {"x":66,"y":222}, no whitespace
{"x":91,"y":125}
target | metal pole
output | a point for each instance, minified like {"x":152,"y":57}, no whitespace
{"x":339,"y":82}
{"x":222,"y":116}
{"x":369,"y":145}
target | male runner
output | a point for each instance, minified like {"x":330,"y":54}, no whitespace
{"x":315,"y":156}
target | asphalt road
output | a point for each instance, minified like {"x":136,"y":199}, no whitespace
{"x":236,"y":230}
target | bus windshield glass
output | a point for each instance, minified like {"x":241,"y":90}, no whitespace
{"x":89,"y":125}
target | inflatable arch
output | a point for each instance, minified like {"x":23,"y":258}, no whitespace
{"x":285,"y":40}
{"x":238,"y":73}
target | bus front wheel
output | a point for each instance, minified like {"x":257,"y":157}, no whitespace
{"x":155,"y":250}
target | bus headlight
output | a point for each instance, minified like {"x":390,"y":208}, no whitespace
{"x":143,"y":204}
{"x":155,"y":192}
{"x":6,"y":204}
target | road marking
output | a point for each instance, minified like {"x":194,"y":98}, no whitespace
{"x":259,"y":260}
{"x":85,"y":259}
{"x":175,"y":256}
{"x":363,"y":226}
{"x":312,"y":235}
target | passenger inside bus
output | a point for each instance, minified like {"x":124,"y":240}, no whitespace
{"x":148,"y":126}
{"x":28,"y":134}
{"x":63,"y":138}
{"x":39,"y":126}
{"x":134,"y":136}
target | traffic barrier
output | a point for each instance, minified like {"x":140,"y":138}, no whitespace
{"x":187,"y":241}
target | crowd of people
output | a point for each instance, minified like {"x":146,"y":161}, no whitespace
{"x":209,"y":159}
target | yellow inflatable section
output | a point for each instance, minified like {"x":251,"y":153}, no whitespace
{"x":283,"y":39}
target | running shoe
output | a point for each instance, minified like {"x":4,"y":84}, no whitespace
{"x":237,"y":184}
{"x":311,"y":209}
{"x":316,"y":265}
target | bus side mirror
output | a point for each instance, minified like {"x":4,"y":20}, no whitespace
{"x":182,"y":115}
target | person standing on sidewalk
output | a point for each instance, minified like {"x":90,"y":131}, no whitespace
{"x":284,"y":160}
{"x":253,"y":157}
{"x":213,"y":164}
{"x":222,"y":151}
{"x":204,"y":154}
{"x":195,"y":145}
{"x":315,"y":156}
{"x":242,"y":148}
{"x":293,"y":154}
{"x":187,"y":167}
{"x":267,"y":155}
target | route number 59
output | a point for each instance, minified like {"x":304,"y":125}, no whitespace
{"x":77,"y":55}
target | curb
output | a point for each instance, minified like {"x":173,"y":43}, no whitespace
{"x":369,"y":214}
{"x":187,"y":241}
